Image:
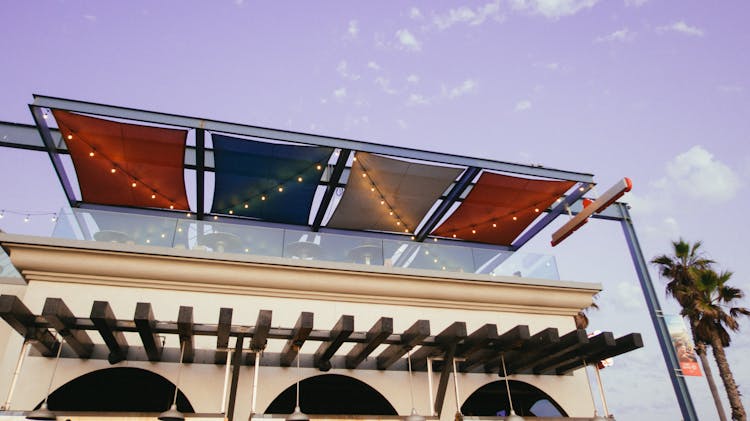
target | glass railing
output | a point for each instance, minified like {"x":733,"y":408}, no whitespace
{"x":7,"y":270}
{"x":214,"y":236}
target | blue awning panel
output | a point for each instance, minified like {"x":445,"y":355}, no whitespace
{"x":269,"y":181}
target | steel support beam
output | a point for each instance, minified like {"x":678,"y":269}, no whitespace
{"x":310,"y":139}
{"x":54,"y":156}
{"x":556,"y":211}
{"x":461,"y":185}
{"x":333,"y":182}
{"x":200,"y":173}
{"x":654,"y":310}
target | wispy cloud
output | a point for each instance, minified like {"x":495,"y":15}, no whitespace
{"x":385,"y":85}
{"x":523,"y":105}
{"x":466,"y":15}
{"x":730,"y":89}
{"x":468,"y":86}
{"x":548,"y":66}
{"x":353,"y":28}
{"x":552,"y":9}
{"x":621,"y":35}
{"x":417,"y":99}
{"x":682,"y":28}
{"x":372,"y":65}
{"x":90,"y":18}
{"x":412,"y":78}
{"x":343,"y":70}
{"x":407,"y":40}
{"x":414,"y":13}
{"x":635,"y":3}
{"x":340,"y":93}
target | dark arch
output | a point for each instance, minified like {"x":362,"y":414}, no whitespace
{"x":120,"y":389}
{"x":332,"y":394}
{"x":492,"y":400}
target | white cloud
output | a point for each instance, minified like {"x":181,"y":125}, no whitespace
{"x":629,"y":295}
{"x":730,"y":89}
{"x":353,"y":28}
{"x":372,"y":65}
{"x":700,"y":176}
{"x":468,"y":86}
{"x":385,"y":85}
{"x":407,"y":40}
{"x":523,"y":105}
{"x":239,"y":2}
{"x":417,"y":99}
{"x":553,"y":9}
{"x":340,"y":93}
{"x":90,"y":18}
{"x":622,"y":35}
{"x":402,"y":124}
{"x":683,"y":28}
{"x":343,"y":70}
{"x":414,"y":13}
{"x":412,"y":78}
{"x":469,"y":16}
{"x":548,"y":66}
{"x":635,"y":3}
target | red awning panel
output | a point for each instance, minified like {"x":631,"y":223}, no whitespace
{"x":500,"y":207}
{"x":126,"y":164}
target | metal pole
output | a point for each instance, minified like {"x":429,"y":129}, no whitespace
{"x":255,"y":383}
{"x":429,"y":386}
{"x":601,"y":390}
{"x":455,"y":386}
{"x":19,"y":364}
{"x":654,"y":309}
{"x":226,"y":382}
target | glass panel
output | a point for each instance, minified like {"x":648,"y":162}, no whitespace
{"x":7,"y":270}
{"x":408,"y":254}
{"x":228,"y":238}
{"x":127,"y":228}
{"x":527,"y":265}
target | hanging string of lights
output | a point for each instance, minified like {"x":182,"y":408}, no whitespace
{"x":381,"y":198}
{"x":264,"y":195}
{"x":495,"y":220}
{"x":28,"y":214}
{"x":135,"y":182}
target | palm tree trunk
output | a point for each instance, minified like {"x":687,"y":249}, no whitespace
{"x":738,"y":411}
{"x":700,"y":349}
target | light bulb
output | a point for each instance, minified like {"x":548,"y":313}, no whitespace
{"x":179,"y":229}
{"x":299,"y":179}
{"x":263,"y":197}
{"x":372,"y":188}
{"x":189,"y":215}
{"x":164,"y":236}
{"x":435,"y":260}
{"x":364,"y":175}
{"x":26,"y":218}
{"x":2,"y":214}
{"x":318,"y":167}
{"x":231,"y":212}
{"x":515,"y":218}
{"x":443,"y":267}
{"x":390,"y":213}
{"x":281,"y":189}
{"x":398,"y":222}
{"x":454,"y":235}
{"x":434,"y":240}
{"x":426,"y":252}
{"x":473,"y":231}
{"x":354,"y":159}
{"x":536,"y":210}
{"x":412,"y":237}
{"x":44,"y":116}
{"x":246,"y":206}
{"x":54,"y":218}
{"x":494,"y":225}
{"x":247,"y":250}
{"x":132,"y":184}
{"x":153,"y":196}
{"x":216,"y":218}
{"x":70,"y":137}
{"x":171,"y":206}
{"x":113,"y":170}
{"x":148,"y":241}
{"x":580,"y":189}
{"x":382,"y":202}
{"x":91,"y":153}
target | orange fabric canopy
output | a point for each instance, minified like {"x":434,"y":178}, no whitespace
{"x":500,"y":207}
{"x":125,"y":164}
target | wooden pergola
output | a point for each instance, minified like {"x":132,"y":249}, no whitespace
{"x":545,"y":353}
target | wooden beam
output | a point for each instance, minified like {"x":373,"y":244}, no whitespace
{"x":484,"y":337}
{"x":145,"y":324}
{"x":344,"y":327}
{"x":597,"y":344}
{"x":105,"y":322}
{"x":445,"y":372}
{"x":260,"y":335}
{"x":536,"y":345}
{"x":622,"y":345}
{"x":21,"y":319}
{"x":222,"y":335}
{"x":59,"y":316}
{"x":301,"y":331}
{"x":409,"y":339}
{"x":185,"y":330}
{"x":450,"y":336}
{"x":512,"y":339}
{"x":569,"y":345}
{"x":375,"y":336}
{"x":236,"y":363}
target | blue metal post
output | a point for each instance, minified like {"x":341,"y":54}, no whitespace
{"x":654,"y":309}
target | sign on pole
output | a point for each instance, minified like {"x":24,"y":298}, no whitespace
{"x":683,"y":345}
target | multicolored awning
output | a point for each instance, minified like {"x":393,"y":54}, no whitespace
{"x":500,"y":207}
{"x":270,"y":181}
{"x":125,"y":164}
{"x":386,"y":194}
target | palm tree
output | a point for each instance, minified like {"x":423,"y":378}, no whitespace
{"x":680,"y":269}
{"x":712,"y":304}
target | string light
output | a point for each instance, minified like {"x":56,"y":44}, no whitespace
{"x":28,"y":214}
{"x":299,"y":179}
{"x":281,"y":189}
{"x":93,"y":152}
{"x":381,"y":197}
{"x":26,"y":218}
{"x":189,"y":215}
{"x":494,"y":221}
{"x":231,"y":212}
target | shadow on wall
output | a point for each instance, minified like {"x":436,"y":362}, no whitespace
{"x":492,"y":400}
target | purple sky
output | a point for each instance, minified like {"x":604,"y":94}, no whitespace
{"x":654,"y":90}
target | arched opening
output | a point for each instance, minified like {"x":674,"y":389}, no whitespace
{"x":332,"y":394}
{"x":122,"y":389}
{"x":492,"y":400}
